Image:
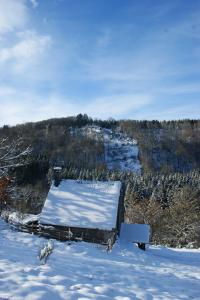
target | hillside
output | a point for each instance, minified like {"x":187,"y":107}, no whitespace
{"x":87,"y":271}
{"x":164,"y":147}
{"x":157,"y":162}
{"x":120,"y":151}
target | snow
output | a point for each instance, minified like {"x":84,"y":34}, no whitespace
{"x":135,"y":233}
{"x":57,"y":168}
{"x":80,"y":271}
{"x":17,"y":218}
{"x":121,"y":152}
{"x":85,"y":204}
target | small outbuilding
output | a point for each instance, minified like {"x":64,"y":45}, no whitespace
{"x":135,"y":233}
{"x":83,"y":210}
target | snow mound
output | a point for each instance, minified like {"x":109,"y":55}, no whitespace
{"x":17,"y":218}
{"x":23,"y":219}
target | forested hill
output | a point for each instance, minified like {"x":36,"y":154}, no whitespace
{"x":164,"y":147}
{"x":157,"y":162}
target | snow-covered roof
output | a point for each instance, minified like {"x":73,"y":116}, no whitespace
{"x":86,"y":204}
{"x":138,"y":233}
{"x":57,"y":168}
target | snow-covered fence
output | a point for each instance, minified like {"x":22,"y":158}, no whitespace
{"x":104,"y":237}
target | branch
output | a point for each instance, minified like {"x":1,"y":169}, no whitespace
{"x":11,"y":156}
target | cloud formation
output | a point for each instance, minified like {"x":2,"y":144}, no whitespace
{"x":13,"y":15}
{"x":27,"y":50}
{"x":34,"y":3}
{"x":84,"y":59}
{"x":18,"y":107}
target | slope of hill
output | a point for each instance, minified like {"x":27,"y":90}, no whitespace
{"x":167,"y":146}
{"x":164,"y":147}
{"x":121,"y":151}
{"x":87,"y":271}
{"x":165,"y":162}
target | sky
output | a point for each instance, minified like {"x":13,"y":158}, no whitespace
{"x":122,"y":59}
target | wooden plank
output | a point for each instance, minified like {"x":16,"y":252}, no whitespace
{"x":61,"y":233}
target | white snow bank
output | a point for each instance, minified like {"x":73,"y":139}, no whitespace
{"x":138,"y":233}
{"x":86,"y":271}
{"x":23,"y":219}
{"x":19,"y":218}
{"x":85,"y":204}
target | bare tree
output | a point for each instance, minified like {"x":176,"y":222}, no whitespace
{"x":12,"y":155}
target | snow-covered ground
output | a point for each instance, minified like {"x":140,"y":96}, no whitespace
{"x":86,"y":271}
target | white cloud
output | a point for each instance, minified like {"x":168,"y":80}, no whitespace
{"x":176,"y":89}
{"x":155,"y":57}
{"x":174,"y":113}
{"x":117,"y":106}
{"x":24,"y":106}
{"x":149,"y":61}
{"x":34,"y":3}
{"x":26,"y":51}
{"x":24,"y":47}
{"x":131,"y":79}
{"x":27,"y":106}
{"x":13,"y":15}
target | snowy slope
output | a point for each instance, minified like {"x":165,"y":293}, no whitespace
{"x":86,"y":271}
{"x":121,"y":152}
{"x":86,"y":204}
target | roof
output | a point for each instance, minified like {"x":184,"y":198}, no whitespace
{"x":85,"y":204}
{"x":57,"y":168}
{"x":138,"y":233}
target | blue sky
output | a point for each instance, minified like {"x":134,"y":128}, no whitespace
{"x":107,"y":58}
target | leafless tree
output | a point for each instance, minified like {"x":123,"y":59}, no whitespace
{"x":12,"y":155}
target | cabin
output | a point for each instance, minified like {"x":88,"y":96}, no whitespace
{"x":91,"y":211}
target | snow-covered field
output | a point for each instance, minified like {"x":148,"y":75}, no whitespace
{"x":86,"y":271}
